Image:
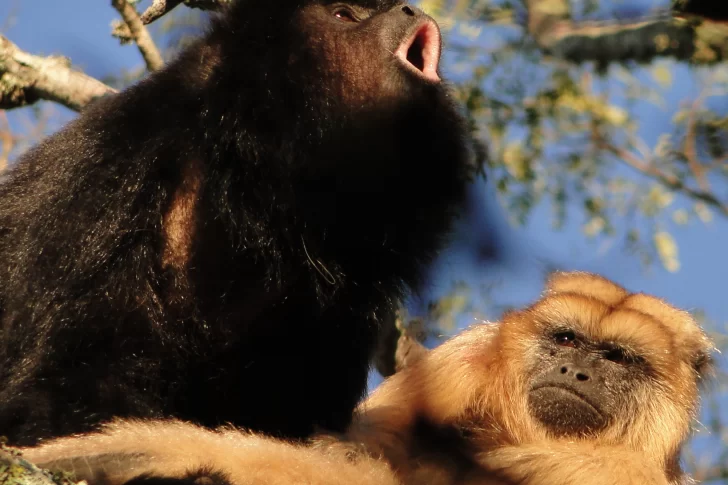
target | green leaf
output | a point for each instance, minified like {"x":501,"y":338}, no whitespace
{"x":667,"y":251}
{"x":662,"y":75}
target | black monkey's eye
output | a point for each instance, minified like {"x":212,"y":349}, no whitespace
{"x":565,"y":339}
{"x":345,"y":15}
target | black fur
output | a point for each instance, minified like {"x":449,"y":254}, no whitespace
{"x":329,"y":175}
{"x":717,"y":11}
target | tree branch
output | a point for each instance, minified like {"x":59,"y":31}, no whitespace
{"x":680,"y":35}
{"x":139,"y":34}
{"x":162,"y":7}
{"x":409,"y":351}
{"x":400,"y":345}
{"x":25,"y":79}
{"x":667,"y":179}
{"x":14,"y":470}
{"x":690,"y":147}
{"x":7,"y":141}
{"x":157,"y":9}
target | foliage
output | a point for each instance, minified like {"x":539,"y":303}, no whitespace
{"x":579,"y":141}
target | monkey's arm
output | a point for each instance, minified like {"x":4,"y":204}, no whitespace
{"x":572,"y":464}
{"x":172,"y":452}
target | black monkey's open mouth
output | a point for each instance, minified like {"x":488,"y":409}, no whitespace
{"x":420,"y":51}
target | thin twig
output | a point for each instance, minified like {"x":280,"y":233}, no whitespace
{"x":690,"y":149}
{"x":139,"y":34}
{"x":669,"y":180}
{"x":157,"y":9}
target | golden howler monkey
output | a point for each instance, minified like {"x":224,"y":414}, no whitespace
{"x":220,"y":242}
{"x":591,"y":385}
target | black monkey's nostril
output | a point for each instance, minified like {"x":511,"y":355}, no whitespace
{"x":564,"y":370}
{"x":581,"y":377}
{"x":408,"y":11}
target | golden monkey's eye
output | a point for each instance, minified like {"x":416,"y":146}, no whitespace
{"x":345,"y":15}
{"x":622,"y":356}
{"x":616,"y":355}
{"x":565,"y":339}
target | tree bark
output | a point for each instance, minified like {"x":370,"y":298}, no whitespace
{"x":25,"y":79}
{"x":682,"y":34}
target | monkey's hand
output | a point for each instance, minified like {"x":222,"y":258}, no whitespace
{"x":574,"y":463}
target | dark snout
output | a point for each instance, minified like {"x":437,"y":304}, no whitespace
{"x":568,"y":396}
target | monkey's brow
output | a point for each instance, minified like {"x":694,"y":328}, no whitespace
{"x":572,"y":325}
{"x":565,"y":325}
{"x":615,"y":344}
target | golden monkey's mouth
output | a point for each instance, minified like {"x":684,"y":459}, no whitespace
{"x":565,"y":410}
{"x":420,"y":51}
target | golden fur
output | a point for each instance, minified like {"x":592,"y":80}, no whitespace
{"x":460,"y":414}
{"x":127,"y":449}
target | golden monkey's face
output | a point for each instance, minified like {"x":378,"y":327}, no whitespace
{"x":602,"y":361}
{"x":581,"y":383}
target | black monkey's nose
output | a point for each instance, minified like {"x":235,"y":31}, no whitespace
{"x":408,"y":10}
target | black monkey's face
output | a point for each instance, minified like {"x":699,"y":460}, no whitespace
{"x":378,"y":95}
{"x":334,"y":64}
{"x":363,"y":78}
{"x":370,"y":53}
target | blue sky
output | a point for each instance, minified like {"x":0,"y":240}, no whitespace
{"x":80,"y":30}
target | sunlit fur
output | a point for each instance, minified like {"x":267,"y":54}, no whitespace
{"x":125,"y":450}
{"x":460,"y":415}
{"x":476,"y":383}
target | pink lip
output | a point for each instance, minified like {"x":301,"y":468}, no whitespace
{"x":420,"y":52}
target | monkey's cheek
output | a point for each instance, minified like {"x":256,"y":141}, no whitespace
{"x":564,"y":412}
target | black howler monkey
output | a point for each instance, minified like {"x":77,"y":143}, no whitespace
{"x":220,"y":242}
